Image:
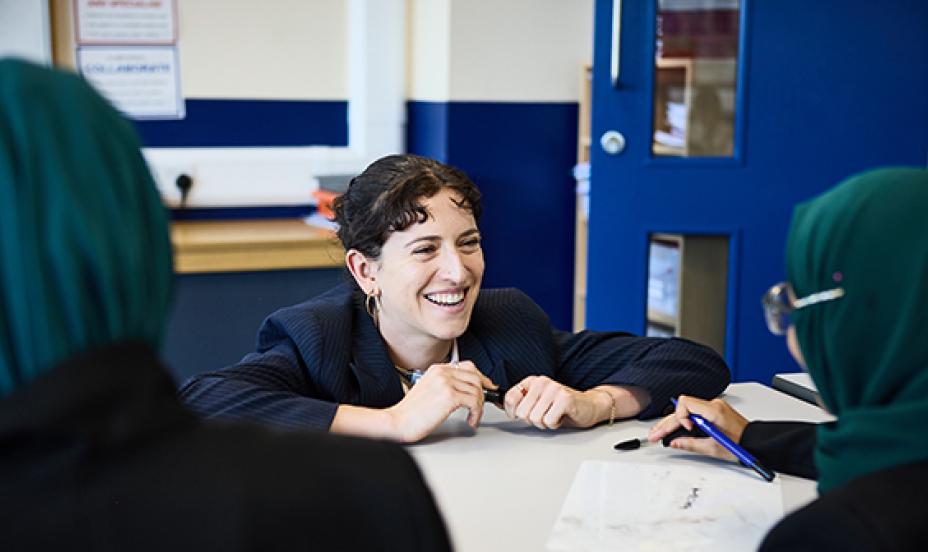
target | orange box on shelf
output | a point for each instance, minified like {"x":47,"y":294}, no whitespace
{"x":324,"y":201}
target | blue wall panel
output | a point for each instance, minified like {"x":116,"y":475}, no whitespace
{"x":427,"y":129}
{"x":260,"y":123}
{"x":520,"y":155}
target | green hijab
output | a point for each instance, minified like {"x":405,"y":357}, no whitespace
{"x":867,"y":352}
{"x":84,"y":254}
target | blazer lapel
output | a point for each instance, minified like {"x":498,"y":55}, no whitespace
{"x":378,"y":383}
{"x":470,"y":348}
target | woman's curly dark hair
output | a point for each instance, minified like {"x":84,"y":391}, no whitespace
{"x":387,"y":196}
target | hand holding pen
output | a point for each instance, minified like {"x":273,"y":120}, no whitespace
{"x":491,"y":391}
{"x":435,"y":394}
{"x":716,"y":418}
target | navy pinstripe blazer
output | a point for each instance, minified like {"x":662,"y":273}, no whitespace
{"x":315,"y":355}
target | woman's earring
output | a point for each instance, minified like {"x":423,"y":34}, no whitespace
{"x":372,"y":302}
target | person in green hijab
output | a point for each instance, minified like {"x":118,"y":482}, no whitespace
{"x":855,"y":313}
{"x":83,"y":246}
{"x":95,"y":451}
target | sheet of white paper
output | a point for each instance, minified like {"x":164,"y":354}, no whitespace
{"x":665,"y":506}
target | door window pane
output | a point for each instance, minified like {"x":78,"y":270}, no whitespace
{"x":688,"y":287}
{"x":663,"y":285}
{"x":695,"y":70}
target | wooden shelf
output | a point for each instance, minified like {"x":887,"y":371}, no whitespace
{"x":667,"y":151}
{"x":252,"y":245}
{"x":662,"y":319}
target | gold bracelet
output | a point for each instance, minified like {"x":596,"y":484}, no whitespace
{"x":612,"y":408}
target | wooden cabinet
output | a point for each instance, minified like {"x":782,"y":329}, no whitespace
{"x":252,"y":245}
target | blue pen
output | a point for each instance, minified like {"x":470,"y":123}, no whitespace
{"x":742,"y":455}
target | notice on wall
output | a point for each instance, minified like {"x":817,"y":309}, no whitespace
{"x":128,"y":50}
{"x":125,"y":22}
{"x":142,"y":82}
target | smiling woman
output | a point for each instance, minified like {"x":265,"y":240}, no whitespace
{"x":343,"y":361}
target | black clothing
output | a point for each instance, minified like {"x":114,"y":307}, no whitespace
{"x":98,"y":455}
{"x":786,"y":447}
{"x":312,"y":356}
{"x":883,"y":511}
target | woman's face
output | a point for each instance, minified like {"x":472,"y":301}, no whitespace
{"x":429,"y":274}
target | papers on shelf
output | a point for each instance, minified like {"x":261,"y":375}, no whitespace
{"x":663,"y":279}
{"x":669,"y":140}
{"x":663,"y":505}
{"x":676,"y":117}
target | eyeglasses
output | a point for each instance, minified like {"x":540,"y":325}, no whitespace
{"x":778,"y":307}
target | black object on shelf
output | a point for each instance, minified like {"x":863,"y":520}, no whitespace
{"x":183,"y":183}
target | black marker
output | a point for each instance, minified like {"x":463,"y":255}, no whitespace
{"x":635,"y":444}
{"x":493,"y":396}
{"x":631,"y":444}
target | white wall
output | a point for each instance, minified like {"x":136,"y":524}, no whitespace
{"x":283,"y":49}
{"x":519,"y":50}
{"x":25,"y":30}
{"x":428,"y":49}
{"x":362,"y":50}
{"x":307,"y":50}
{"x":370,"y":52}
{"x":499,"y":50}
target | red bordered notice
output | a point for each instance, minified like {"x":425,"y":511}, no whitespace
{"x":125,"y":22}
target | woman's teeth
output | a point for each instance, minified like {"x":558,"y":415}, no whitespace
{"x":446,"y":299}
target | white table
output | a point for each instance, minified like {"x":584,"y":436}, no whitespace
{"x":501,"y":487}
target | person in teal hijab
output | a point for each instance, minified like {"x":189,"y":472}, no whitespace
{"x":95,"y":451}
{"x":855,"y":313}
{"x":84,"y":254}
{"x":868,"y":351}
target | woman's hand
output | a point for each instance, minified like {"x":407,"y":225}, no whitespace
{"x":443,"y":389}
{"x":717,"y":411}
{"x":547,"y":404}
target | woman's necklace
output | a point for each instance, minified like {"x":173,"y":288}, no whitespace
{"x":409,"y":377}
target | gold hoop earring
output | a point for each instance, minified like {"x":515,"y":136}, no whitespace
{"x":372,"y":303}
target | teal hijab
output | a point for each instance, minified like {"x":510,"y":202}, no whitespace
{"x":868,"y":351}
{"x":84,"y":254}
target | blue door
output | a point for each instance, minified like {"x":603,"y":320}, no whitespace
{"x":730,"y":112}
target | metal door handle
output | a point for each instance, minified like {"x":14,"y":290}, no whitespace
{"x":615,"y":67}
{"x":612,"y":142}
